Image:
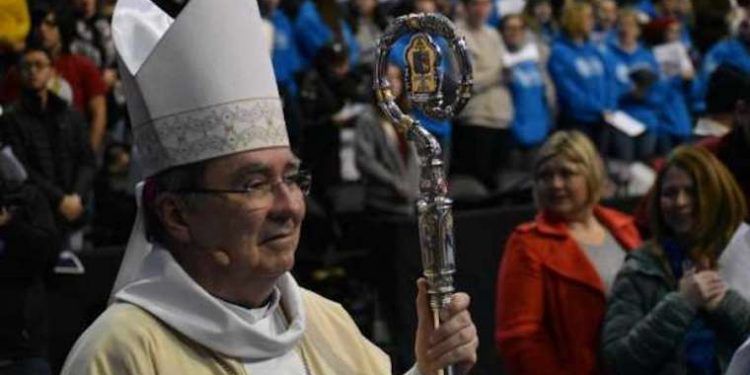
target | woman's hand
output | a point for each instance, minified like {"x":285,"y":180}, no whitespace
{"x":704,"y":289}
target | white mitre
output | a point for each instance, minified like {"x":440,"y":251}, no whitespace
{"x":198,"y":87}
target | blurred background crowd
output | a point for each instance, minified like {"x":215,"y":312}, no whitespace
{"x":677,"y":71}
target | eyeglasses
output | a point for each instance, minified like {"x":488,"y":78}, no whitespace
{"x":27,"y":66}
{"x":261,"y":195}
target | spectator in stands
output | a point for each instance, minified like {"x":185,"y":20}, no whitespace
{"x":368,"y":21}
{"x":556,"y":272}
{"x":320,"y":23}
{"x":15,"y":23}
{"x":28,"y":249}
{"x":92,"y":35}
{"x":585,"y":88}
{"x":287,"y":66}
{"x":481,"y":136}
{"x":734,"y":50}
{"x":729,"y":99}
{"x":724,"y":91}
{"x":676,"y":80}
{"x":532,"y":91}
{"x":606,"y":21}
{"x":541,"y":20}
{"x":671,"y":312}
{"x":639,"y":90}
{"x":81,"y":74}
{"x":50,"y":140}
{"x":387,"y":161}
{"x":330,"y":97}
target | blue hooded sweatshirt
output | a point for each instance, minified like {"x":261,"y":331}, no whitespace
{"x":285,"y":55}
{"x":729,"y":51}
{"x":585,"y":87}
{"x":675,"y":114}
{"x":532,"y":121}
{"x":312,"y":34}
{"x":646,"y":109}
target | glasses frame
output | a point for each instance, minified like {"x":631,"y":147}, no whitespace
{"x":302,"y":179}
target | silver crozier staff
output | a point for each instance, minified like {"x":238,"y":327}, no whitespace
{"x":423,"y":87}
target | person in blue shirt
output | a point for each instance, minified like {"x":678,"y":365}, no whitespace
{"x":606,"y":22}
{"x":287,"y":66}
{"x":531,"y":89}
{"x":639,"y":91}
{"x":539,"y":14}
{"x":585,"y":87}
{"x":676,"y":82}
{"x":319,"y":23}
{"x":733,"y":51}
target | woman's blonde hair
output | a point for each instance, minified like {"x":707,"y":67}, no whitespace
{"x":574,"y":146}
{"x":628,"y":14}
{"x":571,"y":20}
{"x":719,"y":203}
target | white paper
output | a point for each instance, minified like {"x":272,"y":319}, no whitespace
{"x":706,"y":127}
{"x":734,"y":262}
{"x":529,"y":52}
{"x":11,"y":169}
{"x":626,"y":124}
{"x":673,"y":58}
{"x":349,"y":111}
{"x":506,"y":7}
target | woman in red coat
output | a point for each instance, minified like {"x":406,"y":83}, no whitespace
{"x":556,"y":271}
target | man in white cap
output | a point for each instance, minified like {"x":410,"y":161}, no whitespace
{"x":204,"y":287}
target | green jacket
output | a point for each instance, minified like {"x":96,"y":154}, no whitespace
{"x":647,"y":319}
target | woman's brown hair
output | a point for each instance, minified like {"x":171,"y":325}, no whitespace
{"x":719,"y":203}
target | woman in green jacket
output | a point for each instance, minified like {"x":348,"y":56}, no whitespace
{"x":670,"y":311}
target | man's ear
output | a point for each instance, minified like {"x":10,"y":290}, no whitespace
{"x":171,"y":211}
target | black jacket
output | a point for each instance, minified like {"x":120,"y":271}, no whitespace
{"x":52,"y":144}
{"x":647,"y":320}
{"x":28,"y":250}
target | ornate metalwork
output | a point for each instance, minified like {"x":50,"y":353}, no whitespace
{"x":423,"y":85}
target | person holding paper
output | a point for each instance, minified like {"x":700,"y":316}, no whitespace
{"x":671,"y":311}
{"x":637,"y":78}
{"x":585,"y":88}
{"x":676,"y":76}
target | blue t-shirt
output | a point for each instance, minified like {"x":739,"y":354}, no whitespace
{"x":646,"y":109}
{"x":532,"y":121}
{"x":585,"y":88}
{"x":312,"y":34}
{"x":284,"y":55}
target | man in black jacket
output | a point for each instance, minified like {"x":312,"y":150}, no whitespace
{"x":50,"y":139}
{"x":28,"y":249}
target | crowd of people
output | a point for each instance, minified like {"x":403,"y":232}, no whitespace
{"x":567,"y":96}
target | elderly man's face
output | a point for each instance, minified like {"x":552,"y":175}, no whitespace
{"x":259,"y":238}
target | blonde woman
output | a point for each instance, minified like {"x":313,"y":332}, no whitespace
{"x":556,"y":271}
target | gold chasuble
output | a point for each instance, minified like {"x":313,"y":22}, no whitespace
{"x":127,"y":340}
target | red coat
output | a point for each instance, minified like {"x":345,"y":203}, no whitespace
{"x":550,"y":300}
